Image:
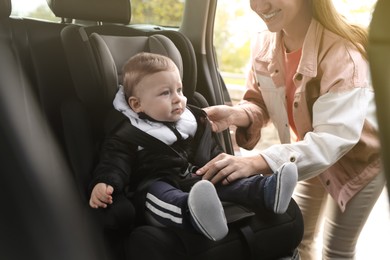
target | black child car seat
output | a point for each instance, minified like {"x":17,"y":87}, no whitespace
{"x":96,"y":55}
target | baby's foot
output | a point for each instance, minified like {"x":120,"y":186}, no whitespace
{"x":206,"y":211}
{"x":279,"y":187}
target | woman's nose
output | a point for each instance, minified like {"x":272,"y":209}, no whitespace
{"x":260,"y":6}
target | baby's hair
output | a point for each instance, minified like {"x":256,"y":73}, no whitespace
{"x":141,"y":65}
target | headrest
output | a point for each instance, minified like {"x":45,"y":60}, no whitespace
{"x":113,"y":51}
{"x":5,"y":8}
{"x":110,"y":11}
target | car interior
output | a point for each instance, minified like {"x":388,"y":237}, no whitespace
{"x":57,"y":83}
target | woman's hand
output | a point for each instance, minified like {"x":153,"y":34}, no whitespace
{"x":219,"y":116}
{"x":227,"y":168}
{"x":101,"y":196}
{"x":222,"y":116}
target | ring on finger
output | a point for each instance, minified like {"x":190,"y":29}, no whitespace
{"x":227,"y":180}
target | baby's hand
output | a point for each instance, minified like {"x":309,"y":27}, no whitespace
{"x":101,"y":196}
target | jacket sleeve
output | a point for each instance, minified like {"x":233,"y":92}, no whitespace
{"x":116,"y":159}
{"x":345,"y":106}
{"x":330,"y":140}
{"x":254,"y":106}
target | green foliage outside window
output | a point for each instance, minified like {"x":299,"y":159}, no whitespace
{"x":42,"y":12}
{"x":232,"y":30}
{"x":165,"y":13}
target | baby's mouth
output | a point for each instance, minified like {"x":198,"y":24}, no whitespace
{"x":177,"y":110}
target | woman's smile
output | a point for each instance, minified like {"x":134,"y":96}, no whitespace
{"x":268,"y":17}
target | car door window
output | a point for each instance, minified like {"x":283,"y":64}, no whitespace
{"x":33,"y":9}
{"x":153,"y":12}
{"x":168,"y":14}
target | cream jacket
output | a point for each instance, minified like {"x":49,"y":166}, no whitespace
{"x":333,"y":110}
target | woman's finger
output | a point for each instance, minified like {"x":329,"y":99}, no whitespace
{"x":202,"y":171}
{"x":212,"y":167}
{"x":224,"y":170}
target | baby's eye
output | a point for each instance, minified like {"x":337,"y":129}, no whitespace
{"x":165,"y":93}
{"x":179,"y":90}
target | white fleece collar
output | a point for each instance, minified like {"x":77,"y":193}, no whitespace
{"x":186,"y":125}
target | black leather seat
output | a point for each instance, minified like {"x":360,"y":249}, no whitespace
{"x":41,"y":213}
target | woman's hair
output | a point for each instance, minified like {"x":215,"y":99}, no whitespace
{"x":325,"y":12}
{"x":141,"y":65}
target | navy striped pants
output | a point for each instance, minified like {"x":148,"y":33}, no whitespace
{"x":168,"y":204}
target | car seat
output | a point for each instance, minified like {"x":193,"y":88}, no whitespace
{"x":102,"y":50}
{"x":41,"y":216}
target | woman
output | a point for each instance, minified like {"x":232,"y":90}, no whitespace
{"x":310,"y":77}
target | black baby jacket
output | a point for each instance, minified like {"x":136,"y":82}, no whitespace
{"x":124,"y":167}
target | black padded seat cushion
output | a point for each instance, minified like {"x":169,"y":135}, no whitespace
{"x":266,"y":237}
{"x":87,"y":75}
{"x":118,"y":11}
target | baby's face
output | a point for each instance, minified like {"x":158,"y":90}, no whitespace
{"x":160,"y":96}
